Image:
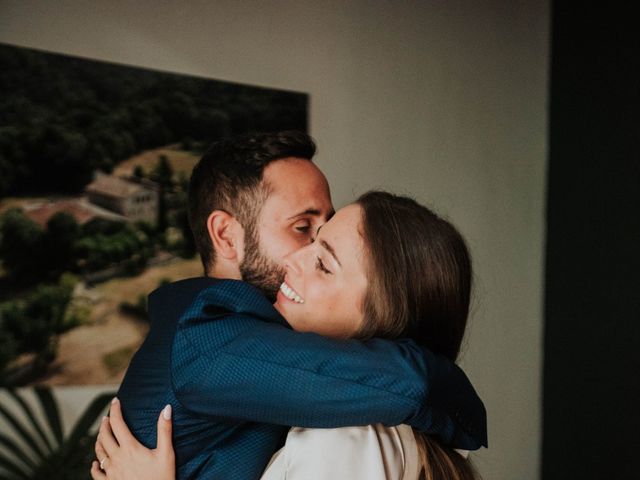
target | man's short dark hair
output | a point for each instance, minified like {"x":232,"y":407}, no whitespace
{"x":229,"y":177}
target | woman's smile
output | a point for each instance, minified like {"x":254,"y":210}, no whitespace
{"x":325,"y":281}
{"x":290,"y":293}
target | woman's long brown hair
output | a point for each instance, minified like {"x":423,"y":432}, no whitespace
{"x":419,"y":286}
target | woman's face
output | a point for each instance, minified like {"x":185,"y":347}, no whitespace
{"x":325,"y":282}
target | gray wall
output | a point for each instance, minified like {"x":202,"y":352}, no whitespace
{"x":445,"y":101}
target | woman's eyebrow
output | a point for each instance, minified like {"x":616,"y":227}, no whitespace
{"x":330,"y":249}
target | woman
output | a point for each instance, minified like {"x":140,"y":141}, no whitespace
{"x":386,"y":267}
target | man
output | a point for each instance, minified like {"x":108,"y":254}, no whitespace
{"x":267,"y":189}
{"x":233,"y":371}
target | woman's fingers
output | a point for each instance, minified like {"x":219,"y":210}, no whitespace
{"x":118,"y":451}
{"x":96,"y":473}
{"x":118,"y":426}
{"x":101,"y":454}
{"x":164,"y":444}
{"x":106,"y":438}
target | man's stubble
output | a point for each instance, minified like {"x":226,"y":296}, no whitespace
{"x":257,"y":269}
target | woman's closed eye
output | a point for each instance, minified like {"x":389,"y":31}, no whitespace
{"x":320,"y":266}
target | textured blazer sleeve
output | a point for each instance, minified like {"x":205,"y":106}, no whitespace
{"x":237,"y":367}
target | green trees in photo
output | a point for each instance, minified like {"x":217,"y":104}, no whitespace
{"x":64,"y":117}
{"x":102,"y":249}
{"x":20,"y":241}
{"x":31,"y":254}
{"x":33,"y":323}
{"x":59,"y":243}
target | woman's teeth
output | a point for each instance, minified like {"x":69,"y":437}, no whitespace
{"x":290,"y":293}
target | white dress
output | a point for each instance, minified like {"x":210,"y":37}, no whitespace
{"x":372,"y":452}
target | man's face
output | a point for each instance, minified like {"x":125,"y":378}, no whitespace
{"x":299,"y":202}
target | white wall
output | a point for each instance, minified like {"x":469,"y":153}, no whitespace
{"x":442,"y":100}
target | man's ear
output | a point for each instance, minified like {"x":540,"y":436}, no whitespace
{"x":226,"y":234}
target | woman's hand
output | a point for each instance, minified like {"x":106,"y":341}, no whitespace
{"x":121,"y":457}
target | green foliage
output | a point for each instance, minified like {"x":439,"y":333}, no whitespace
{"x":123,"y":244}
{"x":103,"y":226}
{"x":59,"y":245}
{"x":64,"y":117}
{"x":48,"y":454}
{"x":163,"y":172}
{"x":20,"y":246}
{"x":33,"y":324}
{"x":61,"y":147}
{"x":138,"y":309}
{"x":8,"y":349}
{"x":31,"y":255}
{"x":138,"y":171}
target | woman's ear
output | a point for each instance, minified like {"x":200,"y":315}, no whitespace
{"x":226,"y":234}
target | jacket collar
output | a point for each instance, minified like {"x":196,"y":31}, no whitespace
{"x":221,"y":296}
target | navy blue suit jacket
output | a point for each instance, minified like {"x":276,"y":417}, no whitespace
{"x":237,"y":377}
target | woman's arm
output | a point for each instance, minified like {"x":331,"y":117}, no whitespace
{"x":259,"y":371}
{"x":121,"y":457}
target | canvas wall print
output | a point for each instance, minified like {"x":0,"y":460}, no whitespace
{"x":95,"y":160}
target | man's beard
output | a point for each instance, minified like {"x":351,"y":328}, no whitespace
{"x":257,"y":269}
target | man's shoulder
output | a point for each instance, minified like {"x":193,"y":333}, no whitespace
{"x":215,"y":288}
{"x":233,"y":298}
{"x":188,"y":286}
{"x":170,"y":301}
{"x":207,"y":296}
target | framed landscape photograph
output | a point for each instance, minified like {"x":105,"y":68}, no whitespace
{"x":95,"y":160}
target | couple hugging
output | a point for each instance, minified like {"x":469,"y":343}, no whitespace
{"x":318,"y":345}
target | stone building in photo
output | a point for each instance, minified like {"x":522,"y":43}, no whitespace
{"x":136,"y":200}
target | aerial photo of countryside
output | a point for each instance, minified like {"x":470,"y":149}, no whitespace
{"x":95,"y":160}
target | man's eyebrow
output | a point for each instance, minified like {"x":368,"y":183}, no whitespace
{"x":330,"y":249}
{"x":308,"y":211}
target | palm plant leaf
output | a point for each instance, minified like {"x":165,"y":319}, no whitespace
{"x":16,"y":450}
{"x":68,"y":458}
{"x":11,"y":467}
{"x":82,"y":426}
{"x":32,"y":418}
{"x":22,"y":431}
{"x":52,"y":414}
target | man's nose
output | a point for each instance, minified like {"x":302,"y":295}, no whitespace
{"x":316,"y":229}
